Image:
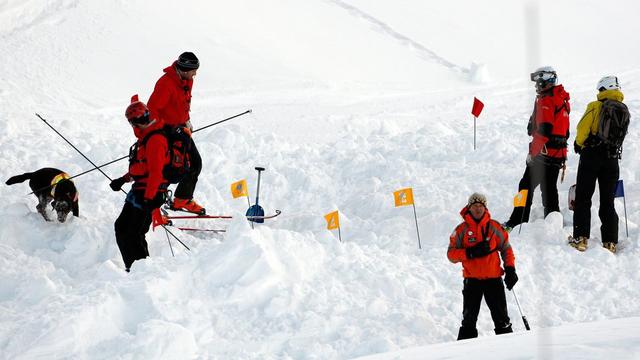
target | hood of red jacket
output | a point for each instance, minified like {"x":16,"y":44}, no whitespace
{"x":560,"y":95}
{"x":172,"y":73}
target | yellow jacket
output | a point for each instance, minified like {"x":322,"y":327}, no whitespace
{"x":589,"y":123}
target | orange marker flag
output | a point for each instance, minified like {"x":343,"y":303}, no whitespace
{"x":520,"y":199}
{"x":403,"y":197}
{"x":333,"y":220}
{"x":239,"y":188}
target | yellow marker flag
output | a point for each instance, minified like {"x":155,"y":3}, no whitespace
{"x":239,"y":188}
{"x":520,"y":199}
{"x":333,"y":220}
{"x":403,"y":197}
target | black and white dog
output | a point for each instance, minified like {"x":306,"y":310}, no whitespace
{"x":51,"y":185}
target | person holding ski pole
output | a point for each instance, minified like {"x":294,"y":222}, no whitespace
{"x":549,"y":127}
{"x":171,"y":102}
{"x":476,"y":243}
{"x":599,"y":138}
{"x":147,"y":159}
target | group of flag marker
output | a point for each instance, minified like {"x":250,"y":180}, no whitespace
{"x":404,"y":197}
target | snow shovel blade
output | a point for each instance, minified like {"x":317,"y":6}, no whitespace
{"x":256,"y":210}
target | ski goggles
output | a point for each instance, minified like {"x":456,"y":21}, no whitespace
{"x":140,"y":120}
{"x":543,"y":75}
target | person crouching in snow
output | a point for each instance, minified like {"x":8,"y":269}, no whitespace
{"x":476,"y":243}
{"x":147,"y":158}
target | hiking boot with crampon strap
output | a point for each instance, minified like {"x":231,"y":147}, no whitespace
{"x":579,"y":243}
{"x":187,"y":205}
{"x":613,"y":247}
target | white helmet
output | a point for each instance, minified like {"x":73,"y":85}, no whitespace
{"x":608,"y":83}
{"x":544,"y":77}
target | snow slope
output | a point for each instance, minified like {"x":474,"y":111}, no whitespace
{"x":351,"y":100}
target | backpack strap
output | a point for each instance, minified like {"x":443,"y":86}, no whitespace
{"x":149,"y":135}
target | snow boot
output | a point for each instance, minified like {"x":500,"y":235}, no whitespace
{"x":613,"y":247}
{"x":505,"y":330}
{"x":580,"y":243}
{"x":506,"y":227}
{"x":467,"y":333}
{"x":187,"y":205}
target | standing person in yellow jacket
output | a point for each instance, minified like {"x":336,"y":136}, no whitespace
{"x":600,"y":148}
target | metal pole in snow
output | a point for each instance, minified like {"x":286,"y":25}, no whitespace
{"x":339,"y":235}
{"x":524,"y":318}
{"x":415,"y":216}
{"x":474,"y":132}
{"x":625,"y":215}
{"x":249,"y":202}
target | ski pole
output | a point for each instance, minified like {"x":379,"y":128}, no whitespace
{"x":75,"y":148}
{"x":107,"y":176}
{"x":221,"y":121}
{"x":524,"y":318}
{"x":126,"y":156}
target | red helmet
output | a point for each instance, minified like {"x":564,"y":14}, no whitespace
{"x":137,"y":112}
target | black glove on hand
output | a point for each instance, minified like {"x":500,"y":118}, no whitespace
{"x":116,"y":184}
{"x":577,"y":148}
{"x":151,"y":204}
{"x":479,"y":250}
{"x":510,"y":277}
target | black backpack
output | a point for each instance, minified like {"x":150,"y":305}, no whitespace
{"x":613,"y":123}
{"x":179,"y":144}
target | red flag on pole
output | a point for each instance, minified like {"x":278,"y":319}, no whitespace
{"x":477,"y":107}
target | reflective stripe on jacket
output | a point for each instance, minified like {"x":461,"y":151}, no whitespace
{"x":469,"y":233}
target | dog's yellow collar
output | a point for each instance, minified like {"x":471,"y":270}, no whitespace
{"x":56,"y":180}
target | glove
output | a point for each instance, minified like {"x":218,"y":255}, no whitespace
{"x":577,"y":148}
{"x":510,"y":277}
{"x":156,"y":202}
{"x":189,"y":126}
{"x":479,"y":250}
{"x":116,"y":184}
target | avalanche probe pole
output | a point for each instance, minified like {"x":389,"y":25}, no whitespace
{"x":524,"y":318}
{"x":126,"y":156}
{"x":107,"y":176}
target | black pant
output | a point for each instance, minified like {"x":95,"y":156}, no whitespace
{"x":545,"y":174}
{"x":594,"y":165}
{"x":493,"y":292}
{"x":131,"y":227}
{"x":187,"y":186}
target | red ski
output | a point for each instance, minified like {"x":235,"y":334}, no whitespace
{"x":176,"y":217}
{"x":196,"y":229}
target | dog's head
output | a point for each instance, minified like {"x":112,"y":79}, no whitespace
{"x":64,"y":195}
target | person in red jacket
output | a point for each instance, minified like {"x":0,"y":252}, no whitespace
{"x":171,"y":102}
{"x":147,"y":159}
{"x":476,"y":243}
{"x":549,"y":127}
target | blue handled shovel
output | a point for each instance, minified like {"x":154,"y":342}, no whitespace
{"x":256,"y":210}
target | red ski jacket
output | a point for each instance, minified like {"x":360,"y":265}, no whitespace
{"x":471,"y":232}
{"x":550,"y":124}
{"x":149,"y":160}
{"x":171,"y":97}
